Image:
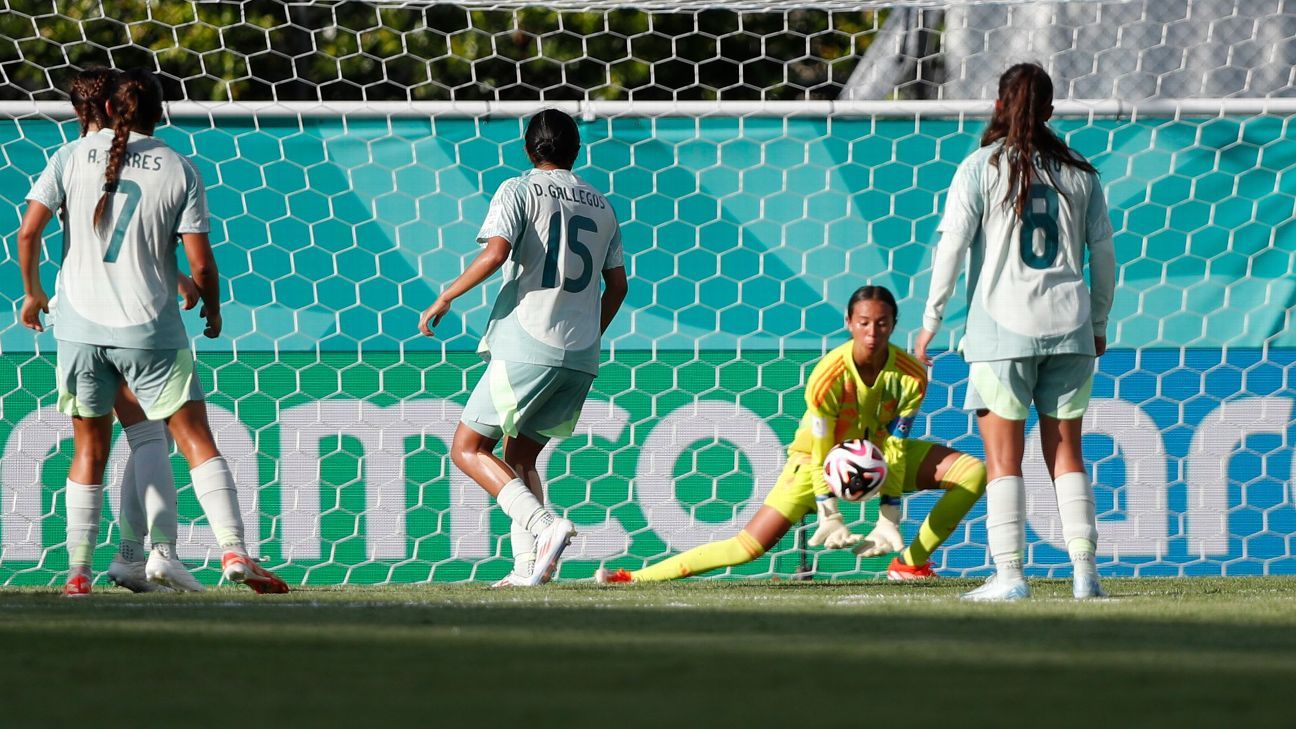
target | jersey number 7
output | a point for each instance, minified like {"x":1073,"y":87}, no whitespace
{"x":132,"y":192}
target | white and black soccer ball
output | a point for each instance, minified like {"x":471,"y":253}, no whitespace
{"x":855,"y":470}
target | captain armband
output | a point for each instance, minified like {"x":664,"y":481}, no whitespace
{"x":900,"y":427}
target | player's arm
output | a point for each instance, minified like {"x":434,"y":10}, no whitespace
{"x":30,"y":235}
{"x":615,"y":284}
{"x":823,"y":403}
{"x":885,"y":537}
{"x":1102,"y":264}
{"x":486,"y":263}
{"x":615,"y":287}
{"x":203,"y":271}
{"x":187,"y":290}
{"x":963,"y":209}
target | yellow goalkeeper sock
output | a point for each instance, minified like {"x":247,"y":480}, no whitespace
{"x":964,"y":482}
{"x":736,"y":550}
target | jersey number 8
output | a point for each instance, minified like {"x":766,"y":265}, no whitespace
{"x":1041,"y":214}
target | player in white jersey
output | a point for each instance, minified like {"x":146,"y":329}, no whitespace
{"x":554,"y":236}
{"x":1030,"y":209}
{"x":147,"y":493}
{"x":127,"y":196}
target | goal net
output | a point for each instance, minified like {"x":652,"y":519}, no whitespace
{"x":765,"y":159}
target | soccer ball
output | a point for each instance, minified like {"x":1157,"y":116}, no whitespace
{"x":855,"y":470}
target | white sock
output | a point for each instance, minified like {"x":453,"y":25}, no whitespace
{"x":214,"y":485}
{"x":130,"y":515}
{"x":1005,"y":498}
{"x":155,"y":486}
{"x":165,"y":550}
{"x":84,"y":505}
{"x":523,"y":550}
{"x":1079,"y":522}
{"x":523,"y":507}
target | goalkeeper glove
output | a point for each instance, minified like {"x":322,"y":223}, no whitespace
{"x":832,"y":532}
{"x":885,"y":537}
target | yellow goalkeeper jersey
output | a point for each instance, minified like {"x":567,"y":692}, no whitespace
{"x":840,"y":407}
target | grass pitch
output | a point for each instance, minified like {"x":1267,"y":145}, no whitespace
{"x":1161,"y":652}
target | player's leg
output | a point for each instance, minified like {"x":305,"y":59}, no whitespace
{"x":961,"y":477}
{"x":508,"y":396}
{"x":999,"y":393}
{"x":134,"y":524}
{"x":148,"y":502}
{"x":92,"y":441}
{"x":520,"y":454}
{"x":168,"y":389}
{"x":1062,"y":397}
{"x":760,"y":534}
{"x":791,"y":499}
{"x":86,"y":384}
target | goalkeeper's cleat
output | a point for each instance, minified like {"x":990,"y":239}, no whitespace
{"x":132,"y":576}
{"x":78,"y":583}
{"x":997,"y":590}
{"x":170,"y":573}
{"x":1085,"y":586}
{"x":898,"y":571}
{"x":550,"y":544}
{"x":513,"y":579}
{"x":240,"y":568}
{"x":605,"y":576}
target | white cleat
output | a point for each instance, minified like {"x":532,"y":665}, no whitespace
{"x":131,"y":575}
{"x":550,"y":544}
{"x":513,"y":579}
{"x":997,"y":590}
{"x":171,"y":573}
{"x":1086,"y":586}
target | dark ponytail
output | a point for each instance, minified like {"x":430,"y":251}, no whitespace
{"x":89,"y":92}
{"x":1020,"y":120}
{"x":136,"y":104}
{"x":552,"y":137}
{"x":873,"y":293}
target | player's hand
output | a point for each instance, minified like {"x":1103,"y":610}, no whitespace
{"x":920,"y":346}
{"x":214,"y":322}
{"x":832,"y":532}
{"x":1100,"y":346}
{"x":32,"y":306}
{"x":188,"y":292}
{"x":885,"y":537}
{"x":433,"y":314}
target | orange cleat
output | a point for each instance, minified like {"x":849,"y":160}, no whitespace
{"x":604,"y":576}
{"x":241,"y":568}
{"x":898,"y":571}
{"x":78,"y":584}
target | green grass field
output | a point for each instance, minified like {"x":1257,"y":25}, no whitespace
{"x":1161,"y":652}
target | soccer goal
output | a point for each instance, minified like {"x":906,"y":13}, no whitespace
{"x":765,"y":159}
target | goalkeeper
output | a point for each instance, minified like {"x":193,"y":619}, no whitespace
{"x":866,"y":388}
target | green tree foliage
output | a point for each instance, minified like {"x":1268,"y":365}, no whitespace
{"x":260,"y":50}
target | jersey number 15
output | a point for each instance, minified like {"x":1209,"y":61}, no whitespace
{"x":576,"y":225}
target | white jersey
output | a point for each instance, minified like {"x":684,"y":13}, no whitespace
{"x":564,"y":235}
{"x":117,"y":285}
{"x":1026,"y":288}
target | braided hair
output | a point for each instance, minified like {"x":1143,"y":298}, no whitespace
{"x":135,"y":105}
{"x":552,"y":137}
{"x":89,"y":92}
{"x":1020,"y":120}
